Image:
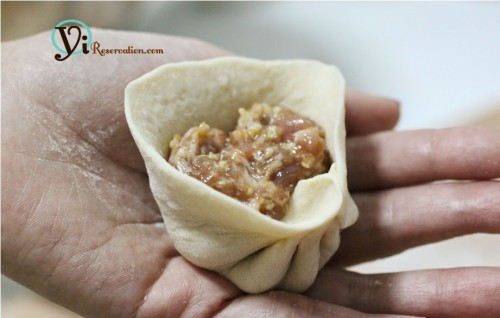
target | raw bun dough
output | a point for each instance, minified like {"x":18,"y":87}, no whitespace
{"x":215,"y":231}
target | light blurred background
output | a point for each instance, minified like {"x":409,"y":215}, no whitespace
{"x":441,"y":60}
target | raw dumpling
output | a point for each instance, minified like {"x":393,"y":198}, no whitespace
{"x":215,"y":231}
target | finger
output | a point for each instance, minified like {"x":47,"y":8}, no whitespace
{"x":282,"y":304}
{"x":459,"y":292}
{"x":367,"y":114}
{"x":394,"y":159}
{"x":183,"y":290}
{"x":388,"y":225}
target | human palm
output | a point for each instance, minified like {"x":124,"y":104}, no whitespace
{"x":80,"y":225}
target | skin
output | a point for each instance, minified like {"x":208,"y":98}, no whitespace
{"x":81,"y":228}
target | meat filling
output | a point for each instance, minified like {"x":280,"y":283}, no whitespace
{"x":260,"y":162}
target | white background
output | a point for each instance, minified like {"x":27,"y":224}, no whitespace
{"x":441,"y":60}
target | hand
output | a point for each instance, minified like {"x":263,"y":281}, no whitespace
{"x":81,"y":228}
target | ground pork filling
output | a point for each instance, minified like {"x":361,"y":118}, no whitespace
{"x":260,"y":162}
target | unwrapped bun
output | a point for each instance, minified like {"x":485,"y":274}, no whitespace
{"x":215,"y":231}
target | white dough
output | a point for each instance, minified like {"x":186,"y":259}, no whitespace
{"x":215,"y":231}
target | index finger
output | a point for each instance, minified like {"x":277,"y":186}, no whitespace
{"x":367,"y":114}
